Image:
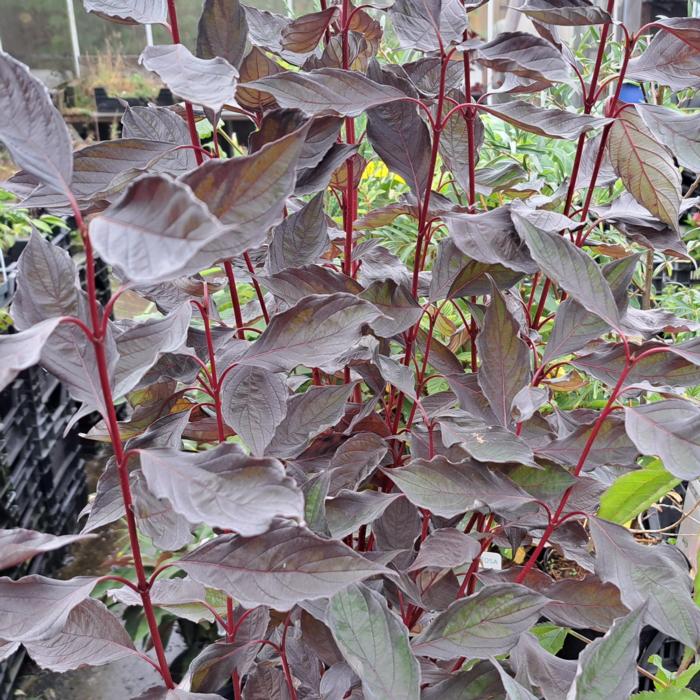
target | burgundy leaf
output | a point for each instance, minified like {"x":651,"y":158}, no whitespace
{"x":208,"y":82}
{"x":36,"y":607}
{"x":18,"y":545}
{"x":342,"y":92}
{"x":676,"y":130}
{"x":607,"y":668}
{"x":312,"y":333}
{"x":307,"y":415}
{"x":524,"y":55}
{"x":163,"y":693}
{"x":565,"y":12}
{"x":130,"y":11}
{"x":505,"y":358}
{"x":254,"y":403}
{"x":91,"y":636}
{"x":552,"y":675}
{"x":446,"y":548}
{"x":450,"y":489}
{"x":26,"y":112}
{"x":255,"y":65}
{"x":657,"y":575}
{"x":556,"y":123}
{"x":669,"y":429}
{"x":454,"y":146}
{"x":646,"y":168}
{"x":480,"y":682}
{"x":292,"y":285}
{"x":347,"y":510}
{"x":481,"y":625}
{"x":222,"y":31}
{"x":224,"y":488}
{"x":400,"y":310}
{"x":249,"y":193}
{"x":131,"y":233}
{"x":278,"y":569}
{"x":425,"y":25}
{"x":300,"y":239}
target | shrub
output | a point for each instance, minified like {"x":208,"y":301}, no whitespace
{"x":348,"y":444}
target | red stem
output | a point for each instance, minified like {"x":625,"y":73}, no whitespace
{"x":235,"y":301}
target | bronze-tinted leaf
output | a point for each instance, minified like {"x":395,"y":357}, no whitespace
{"x":222,"y":31}
{"x":425,"y":25}
{"x":565,"y":12}
{"x":31,"y":128}
{"x":482,"y":625}
{"x":543,"y":670}
{"x":249,"y":193}
{"x":255,"y":65}
{"x":505,"y":358}
{"x":92,"y":636}
{"x":313,"y":333}
{"x":374,"y":642}
{"x":446,"y":548}
{"x":208,"y":82}
{"x":131,"y":233}
{"x":646,"y":168}
{"x":130,"y":11}
{"x":254,"y":403}
{"x":555,"y":123}
{"x":329,"y":90}
{"x":454,"y":146}
{"x":400,"y":310}
{"x":279,"y":569}
{"x":225,"y":488}
{"x":347,"y":510}
{"x":525,"y":55}
{"x":302,"y":34}
{"x":300,"y":239}
{"x":18,"y":544}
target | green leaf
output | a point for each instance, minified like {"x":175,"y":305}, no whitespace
{"x":635,"y":492}
{"x":667,"y":694}
{"x":550,"y":636}
{"x":375,"y":644}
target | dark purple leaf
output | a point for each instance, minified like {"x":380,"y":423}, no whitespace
{"x":657,"y":575}
{"x":450,"y":489}
{"x":249,"y":193}
{"x":454,"y":146}
{"x":162,"y":693}
{"x":130,"y":11}
{"x":552,"y":675}
{"x":524,"y":55}
{"x":307,"y":415}
{"x":36,"y":607}
{"x":313,"y":333}
{"x":491,"y":238}
{"x":570,"y":268}
{"x":514,"y":691}
{"x":425,"y":25}
{"x":400,"y":310}
{"x":18,"y":545}
{"x":399,"y":136}
{"x":446,"y":548}
{"x":481,"y":625}
{"x":481,"y":682}
{"x":374,"y":642}
{"x":645,"y":167}
{"x":131,"y":233}
{"x":254,"y":403}
{"x":207,"y":82}
{"x":565,"y":12}
{"x":607,"y":667}
{"x":292,"y":285}
{"x":31,"y":128}
{"x":505,"y":358}
{"x":669,"y":429}
{"x":300,"y":239}
{"x":347,"y":510}
{"x":278,"y":569}
{"x":224,"y":488}
{"x":355,"y":460}
{"x":555,"y":123}
{"x":91,"y":636}
{"x":676,"y":130}
{"x":342,"y":92}
{"x":222,"y":31}
{"x":255,"y":65}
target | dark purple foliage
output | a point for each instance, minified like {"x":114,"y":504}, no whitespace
{"x":378,"y":455}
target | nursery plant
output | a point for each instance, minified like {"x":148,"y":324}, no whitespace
{"x":357,"y":475}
